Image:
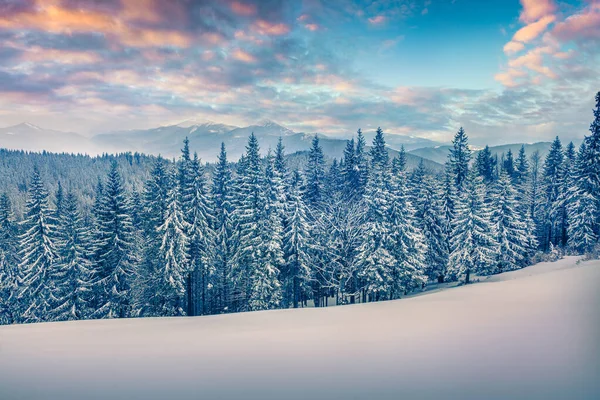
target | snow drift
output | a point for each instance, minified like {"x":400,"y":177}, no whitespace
{"x":528,"y":334}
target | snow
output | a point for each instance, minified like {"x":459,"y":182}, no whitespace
{"x":527,"y":334}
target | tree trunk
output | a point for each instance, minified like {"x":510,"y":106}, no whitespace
{"x":468,"y":276}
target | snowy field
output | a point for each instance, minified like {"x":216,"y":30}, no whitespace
{"x":530,"y":334}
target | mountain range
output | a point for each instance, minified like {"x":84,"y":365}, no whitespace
{"x":206,"y":137}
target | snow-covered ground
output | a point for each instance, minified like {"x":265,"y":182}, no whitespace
{"x":529,"y":334}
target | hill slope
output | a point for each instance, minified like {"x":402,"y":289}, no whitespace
{"x":529,"y":334}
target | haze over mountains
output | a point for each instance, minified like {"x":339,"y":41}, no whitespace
{"x":206,"y":136}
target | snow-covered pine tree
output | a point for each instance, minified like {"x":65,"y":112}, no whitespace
{"x":521,"y":169}
{"x":473,"y":244}
{"x":459,"y":158}
{"x":221,"y":195}
{"x":433,"y":227}
{"x":484,"y":164}
{"x":375,"y":257}
{"x":9,"y":260}
{"x":266,"y":292}
{"x":169,"y":287}
{"x":592,"y":164}
{"x":114,"y":264}
{"x":201,"y":238}
{"x":59,"y":200}
{"x":315,"y":174}
{"x":534,"y":194}
{"x":361,"y":162}
{"x":407,"y":242}
{"x":37,"y":252}
{"x":508,"y":164}
{"x":510,"y":230}
{"x":247,"y":215}
{"x":71,"y":274}
{"x":350,"y":171}
{"x":553,"y":175}
{"x":154,"y":208}
{"x":583,"y":207}
{"x":297,"y":245}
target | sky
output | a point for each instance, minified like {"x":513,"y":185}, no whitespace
{"x":505,"y":70}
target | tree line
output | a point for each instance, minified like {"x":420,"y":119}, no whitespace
{"x":256,"y":235}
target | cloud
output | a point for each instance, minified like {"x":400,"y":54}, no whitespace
{"x":533,"y":30}
{"x":580,"y":26}
{"x":513,"y":47}
{"x":377,"y":20}
{"x":243,"y":8}
{"x":533,"y":10}
{"x":243,"y":56}
{"x":270,"y":29}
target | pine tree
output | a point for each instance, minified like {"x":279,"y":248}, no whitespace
{"x":473,"y":245}
{"x":315,"y":174}
{"x":433,"y":228}
{"x":71,"y":275}
{"x":114,"y":256}
{"x":407,"y":242}
{"x":248,"y":212}
{"x":38,"y":253}
{"x":350,"y":171}
{"x":508,"y":165}
{"x":484,"y":165}
{"x":200,"y":222}
{"x":521,"y":169}
{"x":379,"y":153}
{"x":9,"y":260}
{"x":459,"y":158}
{"x":590,"y":173}
{"x":360,"y":159}
{"x":375,"y":258}
{"x":170,"y":277}
{"x":510,"y":230}
{"x":221,"y":195}
{"x":583,"y":208}
{"x":297,"y":244}
{"x":553,"y":175}
{"x":59,"y":202}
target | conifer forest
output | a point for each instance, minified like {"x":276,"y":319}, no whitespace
{"x":177,"y":237}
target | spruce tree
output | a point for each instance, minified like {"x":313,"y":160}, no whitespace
{"x":509,"y":228}
{"x":169,"y":286}
{"x":38,"y":253}
{"x":9,"y":261}
{"x":297,"y":245}
{"x":553,"y":175}
{"x":201,"y":238}
{"x":71,"y":275}
{"x":459,"y":158}
{"x":222,"y":196}
{"x":247,"y":218}
{"x":484,"y":165}
{"x":433,"y":228}
{"x":114,"y":264}
{"x":583,"y":208}
{"x":315,"y":174}
{"x":473,"y":245}
{"x":407,"y":246}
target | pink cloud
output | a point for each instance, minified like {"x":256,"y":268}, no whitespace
{"x":536,"y":9}
{"x":513,"y":47}
{"x":243,"y":8}
{"x":312,"y":27}
{"x":243,"y":56}
{"x":584,"y":25}
{"x":377,"y":20}
{"x":533,"y":30}
{"x":270,"y":29}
